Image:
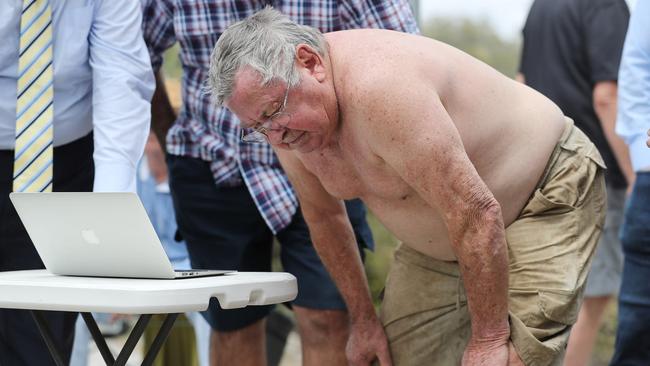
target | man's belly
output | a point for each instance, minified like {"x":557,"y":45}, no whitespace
{"x":414,"y":224}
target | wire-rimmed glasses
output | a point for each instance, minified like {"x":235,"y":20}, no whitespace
{"x":276,"y":121}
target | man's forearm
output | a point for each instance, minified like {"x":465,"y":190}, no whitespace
{"x":162,"y":112}
{"x":482,"y":255}
{"x":605,"y":104}
{"x":340,"y":255}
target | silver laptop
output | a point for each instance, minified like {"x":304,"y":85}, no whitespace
{"x":96,"y":234}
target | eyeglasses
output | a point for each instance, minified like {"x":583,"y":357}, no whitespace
{"x":276,"y":121}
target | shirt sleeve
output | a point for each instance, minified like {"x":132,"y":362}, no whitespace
{"x":123,"y":84}
{"x":158,"y":29}
{"x":384,"y":14}
{"x":605,"y":27}
{"x":633,"y":119}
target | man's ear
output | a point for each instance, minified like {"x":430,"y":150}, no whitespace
{"x":308,"y":58}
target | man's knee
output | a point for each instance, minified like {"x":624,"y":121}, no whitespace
{"x":318,"y":326}
{"x":249,"y":334}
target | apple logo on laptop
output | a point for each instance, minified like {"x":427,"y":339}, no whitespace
{"x":90,"y":237}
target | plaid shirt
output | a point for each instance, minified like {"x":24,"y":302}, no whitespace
{"x":205,"y":131}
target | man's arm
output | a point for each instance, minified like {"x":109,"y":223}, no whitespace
{"x":123,"y":83}
{"x":418,"y":139}
{"x":634,"y":86}
{"x":604,"y":96}
{"x":162,"y":113}
{"x":159,"y":35}
{"x":335,"y":243}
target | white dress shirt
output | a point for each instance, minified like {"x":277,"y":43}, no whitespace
{"x":633,"y":119}
{"x":103,"y":82}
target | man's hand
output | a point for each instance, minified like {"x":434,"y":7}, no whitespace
{"x":367,"y":343}
{"x":504,"y":354}
{"x":486,"y":353}
{"x":648,"y":140}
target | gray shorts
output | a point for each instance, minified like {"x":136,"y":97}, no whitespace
{"x":607,"y":265}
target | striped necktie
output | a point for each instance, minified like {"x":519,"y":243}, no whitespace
{"x":34,"y":107}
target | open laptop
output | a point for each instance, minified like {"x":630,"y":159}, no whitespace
{"x":96,"y":234}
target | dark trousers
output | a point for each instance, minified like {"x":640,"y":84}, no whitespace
{"x":633,"y":334}
{"x":20,"y":341}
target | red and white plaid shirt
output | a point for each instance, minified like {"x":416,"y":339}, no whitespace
{"x":205,"y":131}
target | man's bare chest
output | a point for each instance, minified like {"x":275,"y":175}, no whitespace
{"x":350,"y":172}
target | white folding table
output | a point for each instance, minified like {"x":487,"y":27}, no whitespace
{"x":38,"y":290}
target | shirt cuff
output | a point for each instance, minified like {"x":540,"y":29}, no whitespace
{"x":639,"y":153}
{"x":114,"y":177}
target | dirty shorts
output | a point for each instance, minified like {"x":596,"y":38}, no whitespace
{"x":550,"y":246}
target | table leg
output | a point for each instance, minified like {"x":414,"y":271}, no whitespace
{"x":135,"y":335}
{"x":128,"y":347}
{"x":99,"y":338}
{"x":41,"y":322}
{"x":164,"y":331}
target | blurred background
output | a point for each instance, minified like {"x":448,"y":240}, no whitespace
{"x":488,"y":30}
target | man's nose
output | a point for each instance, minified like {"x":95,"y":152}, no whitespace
{"x":276,"y":135}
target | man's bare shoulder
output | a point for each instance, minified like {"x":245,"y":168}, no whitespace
{"x":373,"y":96}
{"x":369,"y":63}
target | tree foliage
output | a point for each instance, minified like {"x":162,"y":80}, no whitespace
{"x":478,"y":38}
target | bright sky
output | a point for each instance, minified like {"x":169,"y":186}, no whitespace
{"x":507,"y":16}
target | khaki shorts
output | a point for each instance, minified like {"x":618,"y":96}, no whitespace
{"x":550,"y":247}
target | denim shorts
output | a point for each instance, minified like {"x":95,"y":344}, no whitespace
{"x":223,"y":229}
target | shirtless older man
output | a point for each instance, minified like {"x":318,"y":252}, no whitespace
{"x":497,"y":198}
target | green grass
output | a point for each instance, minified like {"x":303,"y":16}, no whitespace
{"x":378,"y":262}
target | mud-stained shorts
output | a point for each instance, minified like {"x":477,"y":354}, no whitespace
{"x":550,"y":247}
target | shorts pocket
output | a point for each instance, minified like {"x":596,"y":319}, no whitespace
{"x":540,"y":204}
{"x":560,"y":306}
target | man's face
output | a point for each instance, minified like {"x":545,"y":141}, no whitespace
{"x":291,"y":118}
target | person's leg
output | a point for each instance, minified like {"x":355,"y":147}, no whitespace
{"x":20,"y":341}
{"x":321,"y":315}
{"x":632,"y":335}
{"x":602,"y":284}
{"x":223,"y":230}
{"x":323,"y":335}
{"x":585,"y":330}
{"x":245,"y":346}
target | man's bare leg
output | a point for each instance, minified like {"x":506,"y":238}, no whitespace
{"x":323,"y":334}
{"x":245,"y":347}
{"x":584,"y":332}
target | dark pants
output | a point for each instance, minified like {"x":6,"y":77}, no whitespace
{"x":633,"y":333}
{"x":20,"y":340}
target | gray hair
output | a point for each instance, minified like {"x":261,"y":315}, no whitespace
{"x":266,"y":41}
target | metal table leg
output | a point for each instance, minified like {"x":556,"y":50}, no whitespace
{"x":158,"y":342}
{"x":99,"y":338}
{"x":41,"y":322}
{"x":128,"y":347}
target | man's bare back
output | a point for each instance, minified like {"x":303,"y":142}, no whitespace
{"x":508,"y":130}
